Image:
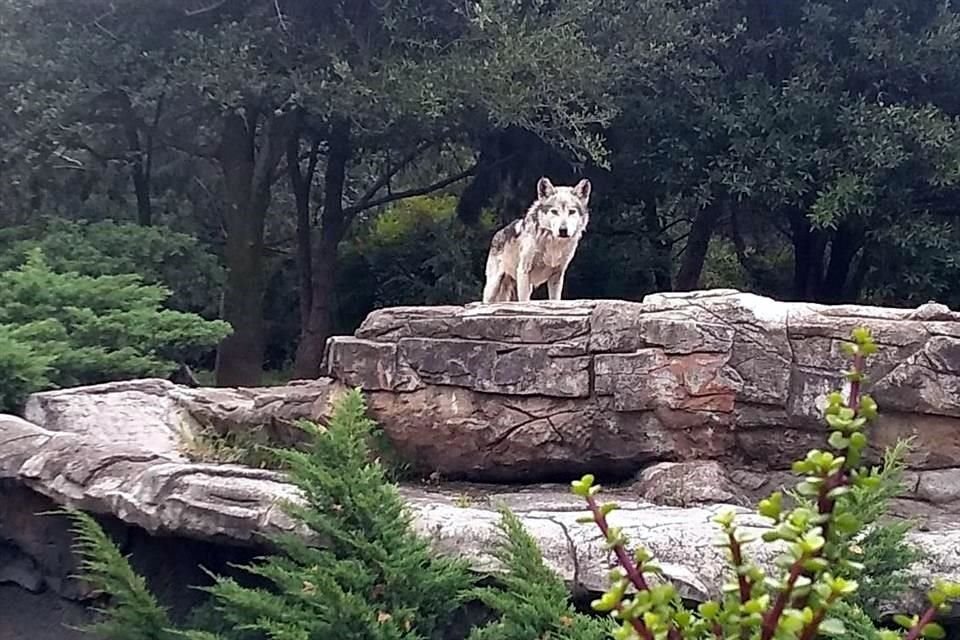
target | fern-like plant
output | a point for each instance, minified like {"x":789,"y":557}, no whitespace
{"x":361,"y":572}
{"x":134,"y":613}
{"x":531,"y":601}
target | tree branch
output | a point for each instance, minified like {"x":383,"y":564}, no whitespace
{"x":409,"y":193}
{"x":202,"y":10}
{"x":385,"y":178}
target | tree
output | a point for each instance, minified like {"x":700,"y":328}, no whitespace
{"x":67,"y":329}
{"x":365,"y":84}
{"x":159,"y":255}
{"x":830,"y":137}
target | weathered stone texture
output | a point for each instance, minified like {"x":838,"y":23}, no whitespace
{"x":148,"y":486}
{"x":699,"y":399}
{"x":529,"y":391}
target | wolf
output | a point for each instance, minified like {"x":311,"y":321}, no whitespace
{"x":538,"y":248}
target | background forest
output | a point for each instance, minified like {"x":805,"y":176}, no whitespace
{"x":286,"y":166}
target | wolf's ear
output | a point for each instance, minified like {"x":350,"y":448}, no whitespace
{"x":582,"y":190}
{"x":545,"y":188}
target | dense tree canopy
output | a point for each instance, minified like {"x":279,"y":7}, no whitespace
{"x":806,"y":150}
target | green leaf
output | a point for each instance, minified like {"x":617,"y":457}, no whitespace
{"x":934,"y":631}
{"x":906,"y":622}
{"x":838,"y":441}
{"x":709,"y":609}
{"x":832,"y":627}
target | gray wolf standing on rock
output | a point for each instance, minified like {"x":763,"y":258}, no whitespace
{"x":539,"y":247}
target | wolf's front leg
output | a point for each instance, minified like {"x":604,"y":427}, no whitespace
{"x":555,"y":286}
{"x":524,"y":288}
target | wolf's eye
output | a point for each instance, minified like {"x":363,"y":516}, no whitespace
{"x":554,"y":212}
{"x":572,"y":212}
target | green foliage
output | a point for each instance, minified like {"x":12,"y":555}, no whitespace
{"x":885,"y":554}
{"x":134,"y":613}
{"x":838,"y":496}
{"x":882,"y":550}
{"x":65,"y":329}
{"x":823,"y":132}
{"x":373,"y":577}
{"x":22,"y":369}
{"x":857,"y":624}
{"x":247,"y":448}
{"x":531,"y":601}
{"x":886,"y":558}
{"x":418,"y":252}
{"x":159,"y":255}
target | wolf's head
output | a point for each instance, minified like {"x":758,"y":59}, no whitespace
{"x":563,"y":210}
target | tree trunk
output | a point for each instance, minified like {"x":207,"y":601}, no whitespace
{"x":859,"y":274}
{"x":661,"y":249}
{"x":247,"y":173}
{"x":698,"y":241}
{"x":301,"y":184}
{"x":140,"y":171}
{"x":141,"y":187}
{"x":808,"y":249}
{"x":314,"y":333}
{"x":843,"y":248}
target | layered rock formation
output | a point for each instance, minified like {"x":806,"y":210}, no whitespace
{"x":693,"y":400}
{"x":146,"y":481}
{"x":539,"y":391}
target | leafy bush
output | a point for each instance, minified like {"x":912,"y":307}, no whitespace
{"x":375,"y":579}
{"x":158,"y":254}
{"x":819,"y":537}
{"x":415,"y":252}
{"x":22,"y":369}
{"x":531,"y":600}
{"x":65,"y":329}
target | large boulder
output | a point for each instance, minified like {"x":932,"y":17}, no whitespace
{"x":549,"y":390}
{"x":692,"y":400}
{"x":144,"y":482}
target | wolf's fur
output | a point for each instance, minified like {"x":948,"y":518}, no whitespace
{"x":538,"y":248}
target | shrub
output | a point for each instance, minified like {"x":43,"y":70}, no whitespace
{"x":372,"y":579}
{"x":158,"y":254}
{"x":65,"y":329}
{"x":22,"y":370}
{"x":530,"y":600}
{"x":415,"y":252}
{"x":819,"y":546}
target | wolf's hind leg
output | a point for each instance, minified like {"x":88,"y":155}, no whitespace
{"x":495,"y":277}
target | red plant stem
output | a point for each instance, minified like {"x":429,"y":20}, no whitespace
{"x":639,"y":627}
{"x":925,"y":619}
{"x":773,"y":616}
{"x":859,"y":362}
{"x":632,"y":572}
{"x":825,"y":504}
{"x":810,"y":630}
{"x":742,"y":580}
{"x":718,"y":630}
